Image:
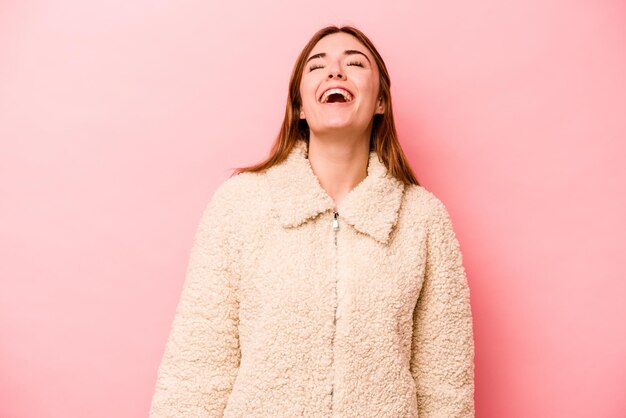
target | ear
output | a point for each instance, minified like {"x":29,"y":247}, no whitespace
{"x":380,"y":109}
{"x":302,"y":114}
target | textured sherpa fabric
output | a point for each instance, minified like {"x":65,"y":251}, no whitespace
{"x":282,"y":315}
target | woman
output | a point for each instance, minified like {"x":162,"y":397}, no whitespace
{"x":324,"y":281}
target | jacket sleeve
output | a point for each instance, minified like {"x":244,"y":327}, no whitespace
{"x":442,"y":361}
{"x":202,"y":354}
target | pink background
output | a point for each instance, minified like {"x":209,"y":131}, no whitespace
{"x":118,"y":119}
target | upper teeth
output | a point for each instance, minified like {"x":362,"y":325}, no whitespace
{"x":346,"y":95}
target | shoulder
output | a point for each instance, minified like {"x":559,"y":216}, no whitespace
{"x":238,"y":201}
{"x":237,"y":189}
{"x":424,"y":204}
{"x":231,"y":206}
{"x":434,"y":218}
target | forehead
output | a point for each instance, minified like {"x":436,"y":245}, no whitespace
{"x":338,"y":42}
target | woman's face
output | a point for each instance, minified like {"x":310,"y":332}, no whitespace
{"x":340,"y":61}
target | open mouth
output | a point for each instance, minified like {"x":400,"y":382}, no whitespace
{"x":336,"y":95}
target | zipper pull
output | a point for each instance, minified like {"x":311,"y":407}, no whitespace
{"x":335,"y":221}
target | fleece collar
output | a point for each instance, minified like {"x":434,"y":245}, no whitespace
{"x":297,"y":195}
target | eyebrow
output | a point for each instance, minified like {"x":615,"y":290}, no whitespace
{"x":346,"y":52}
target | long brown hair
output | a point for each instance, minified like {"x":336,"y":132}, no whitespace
{"x":384,"y":138}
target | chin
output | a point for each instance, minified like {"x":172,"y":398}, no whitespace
{"x":337,"y":124}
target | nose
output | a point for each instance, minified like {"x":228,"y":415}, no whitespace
{"x":337,"y":74}
{"x":335,"y":71}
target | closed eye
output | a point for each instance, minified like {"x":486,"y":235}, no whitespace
{"x":354,"y":63}
{"x":315,"y":66}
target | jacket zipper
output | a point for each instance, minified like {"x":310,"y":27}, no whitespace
{"x":335,"y":229}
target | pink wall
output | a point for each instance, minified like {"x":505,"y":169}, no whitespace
{"x":118,"y":119}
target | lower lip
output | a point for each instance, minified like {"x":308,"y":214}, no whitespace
{"x":337,"y":103}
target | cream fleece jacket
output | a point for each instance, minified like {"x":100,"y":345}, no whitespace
{"x":289,"y":310}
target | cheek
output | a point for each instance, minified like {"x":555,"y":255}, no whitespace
{"x":307,"y":93}
{"x":368,"y":86}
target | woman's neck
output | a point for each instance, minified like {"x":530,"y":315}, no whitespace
{"x":340,"y":163}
